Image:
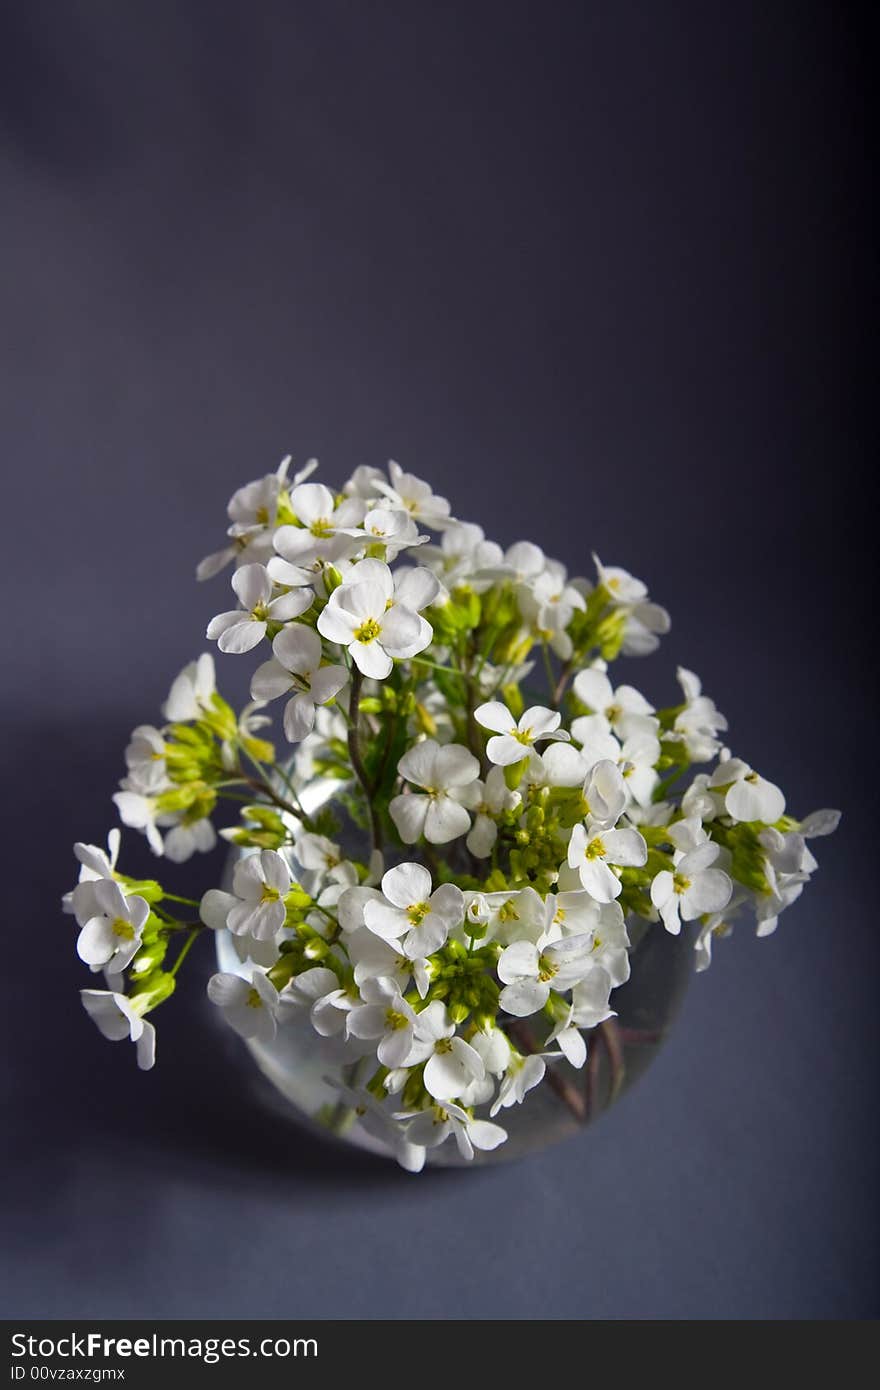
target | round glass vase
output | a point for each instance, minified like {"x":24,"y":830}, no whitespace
{"x":295,"y":1074}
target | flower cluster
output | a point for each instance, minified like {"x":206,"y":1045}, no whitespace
{"x":462,"y":934}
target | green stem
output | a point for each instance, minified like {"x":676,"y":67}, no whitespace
{"x":663,"y":787}
{"x":185,"y":949}
{"x":562,"y":683}
{"x":548,"y":667}
{"x":357,"y":762}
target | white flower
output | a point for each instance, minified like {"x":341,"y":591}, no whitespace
{"x":94,"y":863}
{"x":296,"y":666}
{"x":590,"y":1000}
{"x":698,"y":723}
{"x":451,"y":1064}
{"x":339,"y":879}
{"x":494,"y":1048}
{"x":530,"y":970}
{"x":238,"y":631}
{"x":414,"y":496}
{"x":574,"y":912}
{"x":393,"y":529}
{"x":592,"y":850}
{"x":517,"y":916}
{"x":259,"y":883}
{"x":715,"y":927}
{"x":785,"y":889}
{"x":186,"y":837}
{"x":191,"y":691}
{"x":625,"y":709}
{"x":253,"y":512}
{"x":636,"y":758}
{"x":256,"y":503}
{"x":692,"y":889}
{"x":145,"y":758}
{"x":414,"y":589}
{"x":362,"y":616}
{"x":523,"y":1073}
{"x":350,"y":910}
{"x":139,"y":812}
{"x":643,"y":620}
{"x":115,"y":1018}
{"x":523,"y":563}
{"x":409,"y":909}
{"x":604,"y":794}
{"x":622,"y":587}
{"x":320,"y":992}
{"x":788,"y":866}
{"x":376,"y":1120}
{"x":362,"y":483}
{"x":430,"y":1128}
{"x":515,"y":739}
{"x":567,"y":1035}
{"x":644,"y":624}
{"x":328,"y":533}
{"x":686,"y":834}
{"x":317,"y":852}
{"x":448,"y":774}
{"x":113,"y":927}
{"x":462,"y":554}
{"x":492,"y":799}
{"x":698,"y":802}
{"x":372,"y":957}
{"x":248,"y":1006}
{"x":747,"y":796}
{"x":548,"y":602}
{"x":385,"y":1015}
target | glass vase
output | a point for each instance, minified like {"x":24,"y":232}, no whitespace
{"x":296,"y":1072}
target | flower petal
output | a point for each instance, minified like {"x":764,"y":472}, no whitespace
{"x":407,"y":884}
{"x":493,"y":715}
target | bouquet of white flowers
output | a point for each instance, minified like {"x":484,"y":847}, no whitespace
{"x":478,"y":929}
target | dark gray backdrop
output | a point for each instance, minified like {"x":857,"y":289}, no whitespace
{"x":600,"y":272}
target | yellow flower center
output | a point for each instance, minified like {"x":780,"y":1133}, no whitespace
{"x":680,"y":883}
{"x":321,"y":528}
{"x":260,"y":613}
{"x":269,"y":894}
{"x":253,"y":999}
{"x":417,"y":913}
{"x":546,"y":969}
{"x":595,"y":848}
{"x":123,"y":929}
{"x":394,"y":1020}
{"x":262,"y":515}
{"x":507,"y":912}
{"x":368,"y":631}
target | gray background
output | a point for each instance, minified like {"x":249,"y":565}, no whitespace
{"x":600,"y":272}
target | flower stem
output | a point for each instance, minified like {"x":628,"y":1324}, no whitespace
{"x":357,"y":762}
{"x":562,"y":683}
{"x":185,"y":949}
